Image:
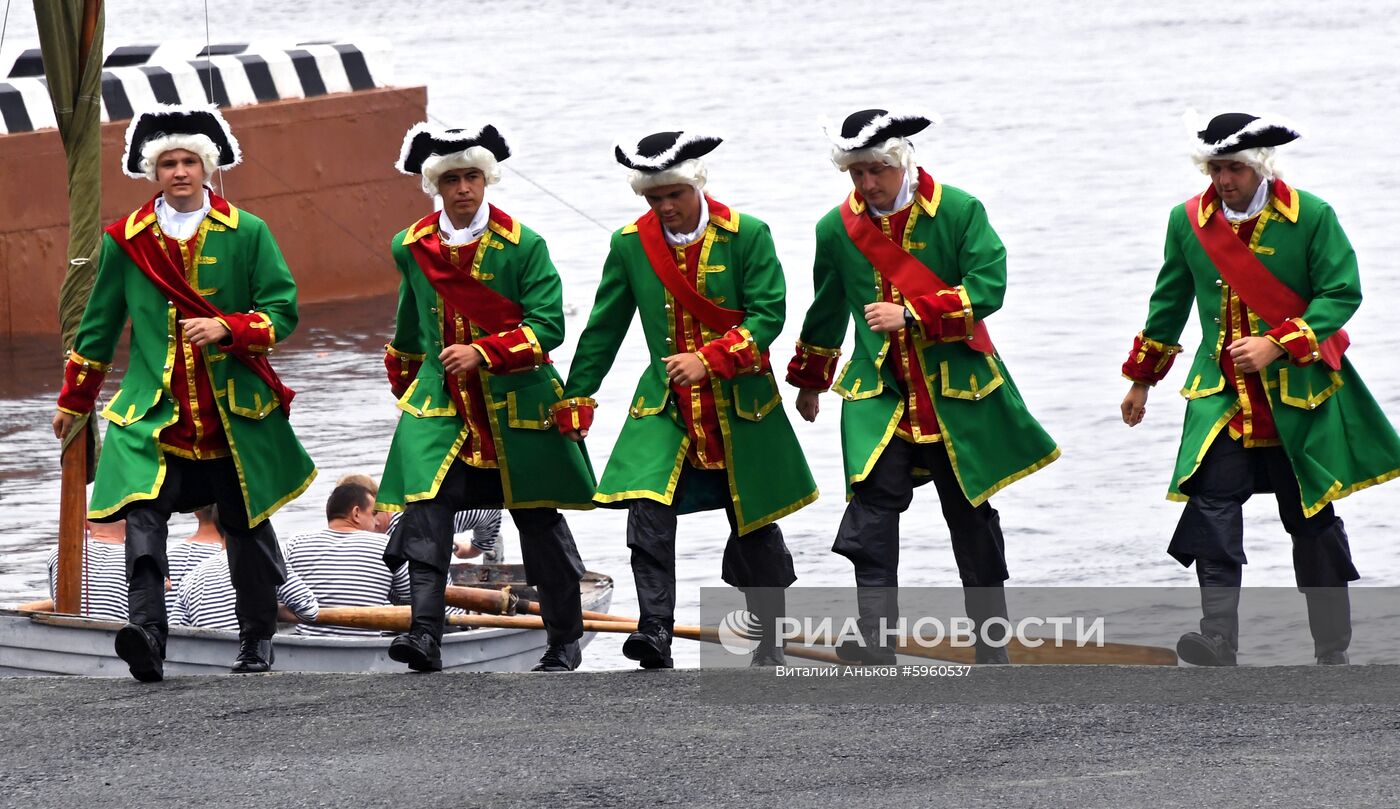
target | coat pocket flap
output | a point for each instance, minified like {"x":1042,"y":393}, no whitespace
{"x":528,"y":408}
{"x":427,"y":397}
{"x":755,"y":396}
{"x":130,"y":406}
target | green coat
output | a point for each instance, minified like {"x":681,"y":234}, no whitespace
{"x":1335,"y":434}
{"x":242,"y":264}
{"x":991,"y":437}
{"x":768,"y":474}
{"x":539,"y":467}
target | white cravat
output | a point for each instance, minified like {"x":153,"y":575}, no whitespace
{"x":470,"y":233}
{"x":678,"y":239}
{"x":906,"y":193}
{"x":1261,"y":198}
{"x":179,"y":224}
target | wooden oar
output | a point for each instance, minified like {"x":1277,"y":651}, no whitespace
{"x":506,"y":602}
{"x":397,"y":619}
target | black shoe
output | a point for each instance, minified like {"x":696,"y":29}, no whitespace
{"x":650,"y":645}
{"x":560,"y":657}
{"x":1333,"y":659}
{"x":141,"y":650}
{"x":417,"y":649}
{"x":254,"y":656}
{"x":766,"y":656}
{"x":992,"y":656}
{"x":1205,"y":650}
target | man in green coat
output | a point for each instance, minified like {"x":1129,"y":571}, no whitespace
{"x":201,"y":418}
{"x":480,"y":307}
{"x":1273,"y":405}
{"x":918,"y":266}
{"x":705,"y":430}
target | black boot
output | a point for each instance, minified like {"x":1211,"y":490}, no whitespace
{"x":767,"y":605}
{"x":254,"y":656}
{"x":1329,"y":620}
{"x":650,"y":645}
{"x":983,"y":604}
{"x":143,"y":650}
{"x":560,"y":657}
{"x":1218,"y":641}
{"x":419,"y":650}
{"x":879,"y":614}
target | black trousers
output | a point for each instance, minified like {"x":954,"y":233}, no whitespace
{"x":1210,"y":534}
{"x":869,"y":532}
{"x":424,"y":540}
{"x":255,"y":561}
{"x":1212,"y":525}
{"x":759,"y":558}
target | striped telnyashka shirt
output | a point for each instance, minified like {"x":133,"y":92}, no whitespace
{"x":484,"y":523}
{"x":182,"y":558}
{"x":104,"y":580}
{"x":346,"y":569}
{"x":206,"y":598}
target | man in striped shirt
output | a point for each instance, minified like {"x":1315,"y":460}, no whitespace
{"x":206,"y":598}
{"x":344,"y":564}
{"x":182,"y":557}
{"x":104,"y":571}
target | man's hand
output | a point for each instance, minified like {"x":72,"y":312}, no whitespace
{"x":460,"y":359}
{"x":807,"y":404}
{"x":685,"y":369}
{"x":1253,"y":354}
{"x":203,"y":331}
{"x":884,"y":317}
{"x":576,"y":435}
{"x":62,"y":423}
{"x":464,"y":550}
{"x":1134,"y":405}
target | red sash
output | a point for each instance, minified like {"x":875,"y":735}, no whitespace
{"x":663,"y":263}
{"x":157,"y":265}
{"x":1260,"y":289}
{"x":480,"y":303}
{"x":911,"y":277}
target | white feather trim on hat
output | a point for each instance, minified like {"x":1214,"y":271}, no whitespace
{"x":833,"y":130}
{"x":657,"y":161}
{"x":158,"y":109}
{"x":473,"y":157}
{"x":690,"y":172}
{"x":1261,"y":159}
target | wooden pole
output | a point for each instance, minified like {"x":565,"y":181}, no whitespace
{"x":72,"y":524}
{"x":91,"y":10}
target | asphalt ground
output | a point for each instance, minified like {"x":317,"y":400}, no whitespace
{"x":1006,"y":736}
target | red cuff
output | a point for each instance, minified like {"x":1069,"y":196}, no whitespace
{"x":573,"y":414}
{"x":402,"y":368}
{"x":82,"y":379}
{"x":250,"y":333}
{"x":943,"y":316}
{"x":511,"y":351}
{"x":812,"y":367}
{"x":1150,"y":360}
{"x":1298,"y":339}
{"x":734,"y":354}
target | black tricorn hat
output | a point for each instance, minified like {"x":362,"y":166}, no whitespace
{"x":664,"y":150}
{"x":424,"y":141}
{"x":167,"y":120}
{"x":874,"y":126}
{"x":1236,"y":131}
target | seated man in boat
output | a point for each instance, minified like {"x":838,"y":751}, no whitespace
{"x":344,"y":564}
{"x":201,"y":417}
{"x":480,"y":305}
{"x":710,"y":292}
{"x":182,"y":557}
{"x":104,"y":571}
{"x":1273,"y":405}
{"x":207,"y":598}
{"x":918,"y":268}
